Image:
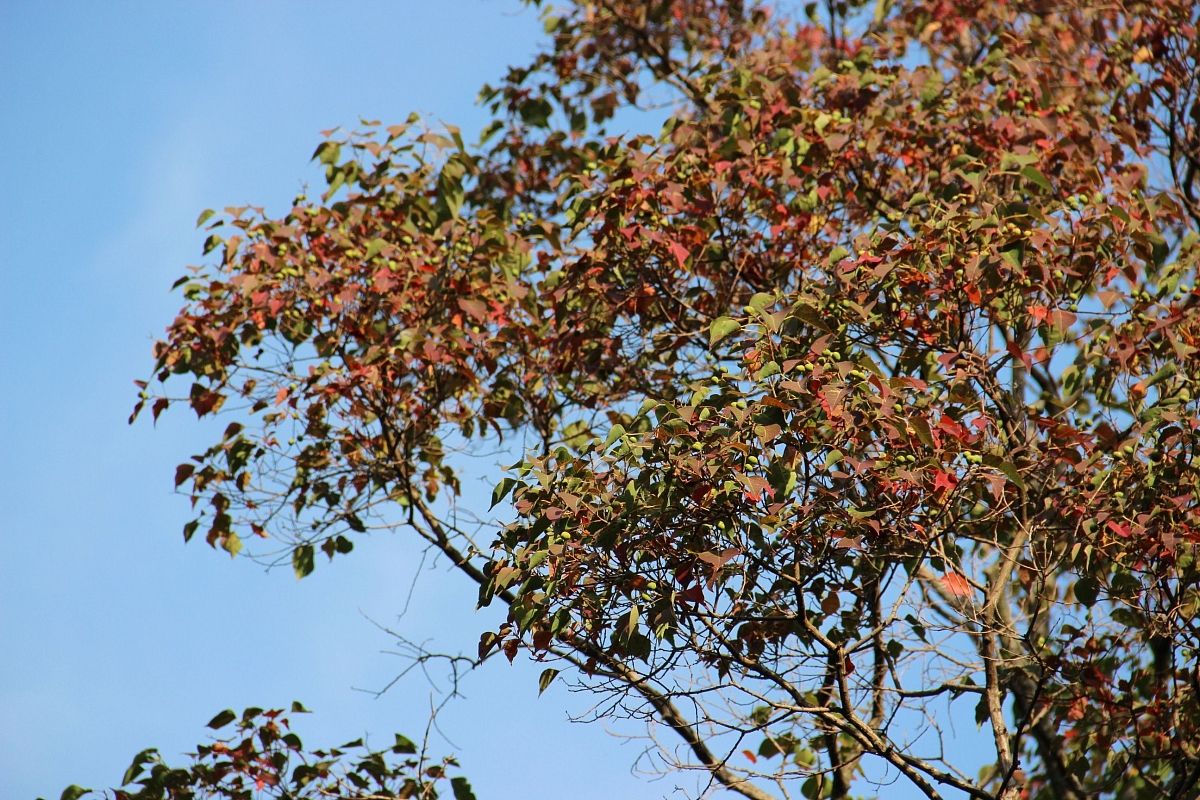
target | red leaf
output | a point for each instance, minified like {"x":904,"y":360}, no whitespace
{"x":1121,"y":529}
{"x":944,"y":481}
{"x":679,"y":251}
{"x":476,"y":308}
{"x":956,"y":584}
{"x":183,"y":472}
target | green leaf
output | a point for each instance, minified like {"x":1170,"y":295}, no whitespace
{"x":916,"y":626}
{"x":204,"y":217}
{"x":922,"y":429}
{"x":761,"y":300}
{"x":462,"y":789}
{"x":536,"y":113}
{"x":221,"y":720}
{"x":73,"y":792}
{"x":1033,"y":175}
{"x":720,"y":328}
{"x":932,"y":87}
{"x":1007,"y":467}
{"x":631,"y":621}
{"x":374,"y":248}
{"x":501,"y":491}
{"x":769,"y":748}
{"x":616,"y":433}
{"x":768,"y":369}
{"x":1164,"y":372}
{"x":135,"y":768}
{"x":302,"y":560}
{"x":232,"y":543}
{"x":403,"y":746}
{"x":547,"y":677}
{"x":833,"y":457}
{"x":1087,"y":589}
{"x":327,"y":152}
{"x":1013,"y":254}
{"x":298,"y":708}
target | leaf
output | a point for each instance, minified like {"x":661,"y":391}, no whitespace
{"x":487,"y":640}
{"x":501,"y":491}
{"x":135,"y":768}
{"x":680,"y":252}
{"x":374,"y":248}
{"x":1013,"y":254}
{"x":616,"y":433}
{"x":221,"y":720}
{"x":923,"y":432}
{"x":761,"y":300}
{"x":232,"y":543}
{"x":956,"y":585}
{"x":477,"y":309}
{"x":183,"y":472}
{"x":1007,"y":467}
{"x":1087,"y":589}
{"x":403,"y":746}
{"x":831,"y":603}
{"x":1164,"y":372}
{"x":547,"y":677}
{"x":536,"y":112}
{"x":1033,"y":175}
{"x":327,"y":152}
{"x":720,"y":328}
{"x":204,"y":217}
{"x":302,"y":560}
{"x":73,"y":792}
{"x":462,"y":788}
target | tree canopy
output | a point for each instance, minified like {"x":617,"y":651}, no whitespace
{"x":866,"y":385}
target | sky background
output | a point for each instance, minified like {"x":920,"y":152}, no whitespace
{"x":119,"y":123}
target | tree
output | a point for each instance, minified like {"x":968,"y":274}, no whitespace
{"x":262,"y":757}
{"x":865,"y":386}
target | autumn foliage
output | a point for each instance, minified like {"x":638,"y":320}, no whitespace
{"x":257,"y":755}
{"x":866,"y":384}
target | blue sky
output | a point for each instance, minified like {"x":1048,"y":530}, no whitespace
{"x":119,"y":122}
